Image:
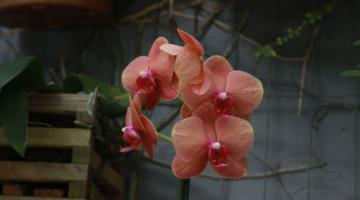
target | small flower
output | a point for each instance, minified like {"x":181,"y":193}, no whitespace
{"x":151,"y":76}
{"x":189,"y":62}
{"x":231,"y":92}
{"x":139,"y":130}
{"x":204,"y":138}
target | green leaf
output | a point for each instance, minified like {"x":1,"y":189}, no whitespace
{"x":357,"y":42}
{"x":13,"y":117}
{"x":26,"y":72}
{"x":15,"y":78}
{"x":113,"y":101}
{"x":79,"y":82}
{"x":351,"y":73}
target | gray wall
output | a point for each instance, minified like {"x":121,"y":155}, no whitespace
{"x":325,"y":131}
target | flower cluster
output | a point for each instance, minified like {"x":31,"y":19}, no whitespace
{"x":218,"y":101}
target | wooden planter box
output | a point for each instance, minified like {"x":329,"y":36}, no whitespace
{"x":19,"y":175}
{"x":54,"y":13}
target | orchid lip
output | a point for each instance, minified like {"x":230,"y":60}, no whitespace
{"x":222,"y":95}
{"x":218,"y":154}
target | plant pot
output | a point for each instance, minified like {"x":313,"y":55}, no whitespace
{"x":54,"y":13}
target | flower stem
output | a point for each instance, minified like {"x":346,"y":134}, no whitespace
{"x":184,"y":189}
{"x":165,"y":137}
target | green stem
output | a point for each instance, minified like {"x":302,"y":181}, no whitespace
{"x":165,"y":137}
{"x":184,"y":189}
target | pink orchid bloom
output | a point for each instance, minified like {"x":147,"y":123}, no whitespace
{"x":139,"y":130}
{"x":204,"y":138}
{"x":189,"y":64}
{"x":152,"y":76}
{"x":231,"y":92}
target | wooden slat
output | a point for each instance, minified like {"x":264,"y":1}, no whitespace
{"x":105,"y":173}
{"x":55,"y":137}
{"x":58,"y":103}
{"x":80,"y":155}
{"x":33,"y":198}
{"x":42,"y":172}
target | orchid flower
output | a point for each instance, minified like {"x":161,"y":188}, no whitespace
{"x":189,"y":62}
{"x":204,"y":138}
{"x":139,"y":130}
{"x":231,"y":92}
{"x":152,"y":76}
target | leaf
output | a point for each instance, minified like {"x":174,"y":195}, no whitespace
{"x":79,"y":82}
{"x":25,"y":72}
{"x":112,"y":102}
{"x":13,"y":117}
{"x":357,"y":42}
{"x":351,"y":73}
{"x":15,"y":78}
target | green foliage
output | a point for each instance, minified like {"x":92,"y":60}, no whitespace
{"x":266,"y":51}
{"x":310,"y":18}
{"x":15,"y":78}
{"x":357,"y":42}
{"x":351,"y":73}
{"x":112,"y":101}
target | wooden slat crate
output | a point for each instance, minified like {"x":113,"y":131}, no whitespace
{"x":19,"y":173}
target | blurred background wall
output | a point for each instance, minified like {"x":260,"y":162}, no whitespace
{"x":309,"y":150}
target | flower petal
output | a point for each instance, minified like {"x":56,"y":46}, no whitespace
{"x":219,"y":68}
{"x":206,"y":112}
{"x":190,"y":98}
{"x":234,"y":168}
{"x":134,"y":116}
{"x":246,"y":90}
{"x":171,"y":49}
{"x":236,"y":133}
{"x":131,"y":73}
{"x":160,"y":62}
{"x":186,"y":169}
{"x":151,"y":99}
{"x":148,"y":136}
{"x":188,"y":66}
{"x":190,"y":137}
{"x":203,"y":87}
{"x":185,"y":111}
{"x":169,"y":91}
{"x":190,"y":40}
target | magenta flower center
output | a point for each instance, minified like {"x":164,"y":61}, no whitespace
{"x":223,"y":102}
{"x":130,"y":136}
{"x":146,"y":81}
{"x":218,"y":154}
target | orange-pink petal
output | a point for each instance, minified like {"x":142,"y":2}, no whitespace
{"x":185,"y":111}
{"x":235,"y":168}
{"x":190,"y":98}
{"x":135,"y":117}
{"x":246,"y":90}
{"x":149,"y":135}
{"x":160,"y":62}
{"x":190,"y":40}
{"x":169,"y":91}
{"x":205,"y":86}
{"x":188,"y":66}
{"x":206,"y":112}
{"x":131,"y":73}
{"x":150,"y":100}
{"x":171,"y":49}
{"x":187,"y":169}
{"x":190,"y":137}
{"x":219,"y":68}
{"x":236,"y":134}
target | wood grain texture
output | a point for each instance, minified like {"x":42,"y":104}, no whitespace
{"x":55,"y":137}
{"x":42,"y":172}
{"x":33,"y":198}
{"x":58,"y":103}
